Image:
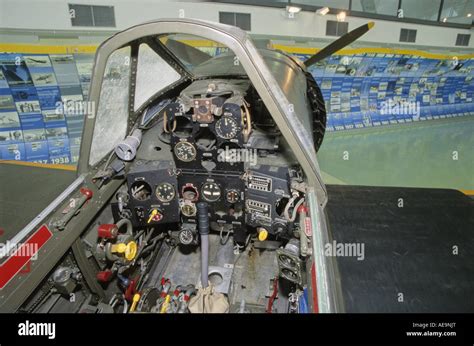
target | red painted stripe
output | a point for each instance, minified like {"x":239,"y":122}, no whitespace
{"x":13,"y":265}
{"x":314,"y":289}
{"x":308,"y":229}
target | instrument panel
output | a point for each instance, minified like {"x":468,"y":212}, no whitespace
{"x":152,"y":188}
{"x":205,"y":132}
{"x":198,"y":139}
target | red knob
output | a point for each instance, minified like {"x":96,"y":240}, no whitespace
{"x":107,"y":231}
{"x":86,"y":192}
{"x":104,"y":276}
{"x":302,"y":209}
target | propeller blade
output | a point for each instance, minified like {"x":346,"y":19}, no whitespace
{"x":340,"y":43}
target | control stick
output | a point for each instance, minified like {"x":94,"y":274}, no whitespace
{"x":203,"y":226}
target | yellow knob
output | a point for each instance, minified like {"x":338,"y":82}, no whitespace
{"x":129,"y":250}
{"x":119,"y":248}
{"x":164,"y":307}
{"x":262,"y":234}
{"x":152,"y":215}
{"x":135,"y":300}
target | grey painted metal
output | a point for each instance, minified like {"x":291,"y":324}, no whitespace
{"x":41,"y":216}
{"x":327,"y":274}
{"x":21,"y":287}
{"x":87,"y":270}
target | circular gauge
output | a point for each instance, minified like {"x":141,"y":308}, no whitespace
{"x":190,"y":192}
{"x":289,"y":274}
{"x":185,"y":151}
{"x":287,"y":260}
{"x":211,"y":192}
{"x":141,"y":190}
{"x":232,"y":196}
{"x":188,"y":209}
{"x":227,"y":127}
{"x":165,"y":192}
{"x":186,"y":237}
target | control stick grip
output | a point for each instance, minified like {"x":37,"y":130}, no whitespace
{"x":203,"y":218}
{"x":203,"y":226}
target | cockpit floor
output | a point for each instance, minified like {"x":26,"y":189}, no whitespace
{"x":246,"y":278}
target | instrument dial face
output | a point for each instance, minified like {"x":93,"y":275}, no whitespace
{"x":165,"y":192}
{"x":211,"y":192}
{"x":141,"y":190}
{"x":186,"y":237}
{"x":190,"y":192}
{"x":188,"y":209}
{"x":232,"y":196}
{"x":227,"y":127}
{"x":185,"y":151}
